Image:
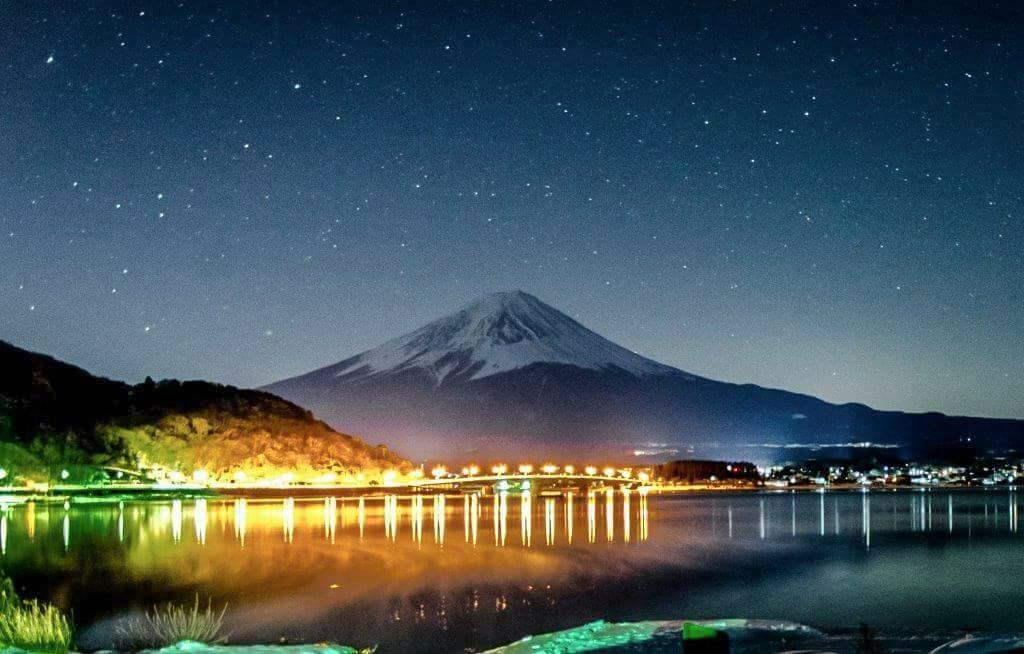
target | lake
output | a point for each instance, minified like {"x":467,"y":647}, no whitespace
{"x":445,"y":573}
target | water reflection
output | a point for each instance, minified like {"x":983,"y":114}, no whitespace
{"x":440,"y":519}
{"x":330,"y":518}
{"x":625,"y":514}
{"x":199,"y":513}
{"x":500,"y":518}
{"x":391,"y":517}
{"x":471,"y":517}
{"x":625,"y":517}
{"x":268,"y":557}
{"x":569,"y":517}
{"x":622,"y":522}
{"x":176,"y":520}
{"x":241,"y":507}
{"x":643,"y":518}
{"x":526,"y":518}
{"x":417,"y":518}
{"x":362,"y":517}
{"x":591,"y":517}
{"x":30,"y":520}
{"x":288,"y":520}
{"x":549,"y":521}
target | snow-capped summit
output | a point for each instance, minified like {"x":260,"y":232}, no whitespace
{"x":497,"y":333}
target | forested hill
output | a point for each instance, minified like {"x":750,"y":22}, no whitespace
{"x":56,"y":414}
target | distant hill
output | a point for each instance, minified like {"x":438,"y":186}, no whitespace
{"x":55,"y":414}
{"x":510,"y":376}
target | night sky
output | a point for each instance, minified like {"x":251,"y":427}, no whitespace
{"x":823,"y":198}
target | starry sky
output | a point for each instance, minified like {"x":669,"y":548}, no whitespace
{"x":820,"y":197}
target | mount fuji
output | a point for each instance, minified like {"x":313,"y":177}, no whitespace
{"x":509,"y":376}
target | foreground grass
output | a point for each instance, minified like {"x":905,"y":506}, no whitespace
{"x":172,"y":624}
{"x":30,"y":625}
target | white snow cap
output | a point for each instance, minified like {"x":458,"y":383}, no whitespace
{"x":502,"y":331}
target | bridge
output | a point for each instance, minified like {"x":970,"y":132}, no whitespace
{"x":527,"y":482}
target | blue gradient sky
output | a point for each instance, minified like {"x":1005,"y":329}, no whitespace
{"x":818,"y":197}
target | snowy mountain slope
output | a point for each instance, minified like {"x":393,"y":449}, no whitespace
{"x":495,"y":334}
{"x":509,"y":376}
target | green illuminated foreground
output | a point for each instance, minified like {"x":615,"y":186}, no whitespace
{"x":658,"y":637}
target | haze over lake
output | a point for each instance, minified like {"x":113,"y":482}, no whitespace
{"x":443,"y":573}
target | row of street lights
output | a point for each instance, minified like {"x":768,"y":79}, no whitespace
{"x":502,"y":469}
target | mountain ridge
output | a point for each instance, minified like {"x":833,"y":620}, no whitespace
{"x":507,"y":372}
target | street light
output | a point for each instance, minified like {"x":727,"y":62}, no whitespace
{"x":569,"y":469}
{"x":590,"y":470}
{"x":439,"y":472}
{"x":609,"y":472}
{"x":3,"y":474}
{"x":549,"y":469}
{"x":526,"y":468}
{"x":499,"y":469}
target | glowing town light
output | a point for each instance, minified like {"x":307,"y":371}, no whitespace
{"x":240,"y":476}
{"x":549,"y":469}
{"x":287,"y":478}
{"x":417,"y":473}
{"x":474,"y":470}
{"x":3,"y":474}
{"x":389,"y":476}
{"x":64,"y":474}
{"x":643,"y":476}
{"x":609,"y":472}
{"x":439,"y":471}
{"x":569,"y":469}
{"x":499,"y":469}
{"x":176,"y":476}
{"x":525,"y":468}
{"x":200,"y":476}
{"x":626,"y":473}
{"x":465,"y":471}
{"x":590,"y":470}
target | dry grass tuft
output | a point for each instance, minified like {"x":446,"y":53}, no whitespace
{"x":172,"y":624}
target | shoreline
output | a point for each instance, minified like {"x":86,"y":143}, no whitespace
{"x":20,"y":495}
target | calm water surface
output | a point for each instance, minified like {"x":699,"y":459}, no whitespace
{"x":442,"y":574}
